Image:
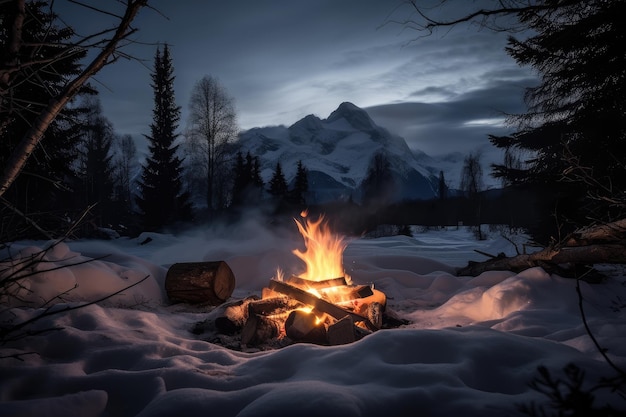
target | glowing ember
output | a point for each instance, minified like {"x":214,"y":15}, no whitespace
{"x":324,"y":250}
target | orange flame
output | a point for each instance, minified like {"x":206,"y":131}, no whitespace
{"x":323,"y":255}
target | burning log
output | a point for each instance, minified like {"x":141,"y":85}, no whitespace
{"x":361,"y":305}
{"x":341,"y":332}
{"x":302,"y":326}
{"x":325,"y":283}
{"x":200,"y":282}
{"x":265,"y":318}
{"x":273,"y":305}
{"x":319,"y":304}
{"x":258,"y":329}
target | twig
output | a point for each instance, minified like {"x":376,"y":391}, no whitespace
{"x":589,"y":332}
{"x":47,"y":312}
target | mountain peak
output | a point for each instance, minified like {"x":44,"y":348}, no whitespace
{"x":309,"y":123}
{"x":355,"y":116}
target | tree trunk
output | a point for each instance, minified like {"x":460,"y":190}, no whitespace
{"x":200,"y":282}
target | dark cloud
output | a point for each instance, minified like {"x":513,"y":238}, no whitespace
{"x":282,"y":60}
{"x":461,"y":124}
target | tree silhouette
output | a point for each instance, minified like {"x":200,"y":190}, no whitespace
{"x":30,"y":75}
{"x":96,"y":163}
{"x":301,"y":184}
{"x":162,"y":201}
{"x":247,"y":183}
{"x":213,"y":124}
{"x":378,"y":186}
{"x":28,"y":61}
{"x":442,"y":186}
{"x":278,"y":183}
{"x":574,"y":128}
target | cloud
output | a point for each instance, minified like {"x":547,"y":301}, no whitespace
{"x":461,"y":124}
{"x":282,"y":60}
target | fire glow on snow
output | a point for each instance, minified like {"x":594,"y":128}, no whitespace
{"x":472,"y":346}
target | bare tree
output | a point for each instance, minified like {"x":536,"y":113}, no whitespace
{"x":125,"y":165}
{"x":472,"y":185}
{"x":212,"y":125}
{"x":16,"y":67}
{"x":472,"y":175}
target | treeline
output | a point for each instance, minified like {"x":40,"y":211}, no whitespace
{"x":74,"y":169}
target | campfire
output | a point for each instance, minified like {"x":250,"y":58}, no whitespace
{"x":318,"y":305}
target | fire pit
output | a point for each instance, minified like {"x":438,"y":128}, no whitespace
{"x":318,"y":305}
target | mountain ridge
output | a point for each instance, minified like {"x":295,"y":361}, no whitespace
{"x":336,"y":152}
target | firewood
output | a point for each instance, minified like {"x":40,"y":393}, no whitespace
{"x":259,"y":329}
{"x":341,"y":332}
{"x":200,"y":282}
{"x":274,"y":305}
{"x":360,"y":305}
{"x":302,"y":326}
{"x":325,"y":283}
{"x":375,"y":314}
{"x":319,"y":304}
{"x":233,"y":316}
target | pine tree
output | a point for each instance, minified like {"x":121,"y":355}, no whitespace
{"x":278,"y":183}
{"x":301,"y":184}
{"x":443,"y":188}
{"x":241,"y":175}
{"x":257,"y":181}
{"x":162,"y":201}
{"x":96,"y":165}
{"x":575,"y":125}
{"x":378,"y":185}
{"x":48,"y":176}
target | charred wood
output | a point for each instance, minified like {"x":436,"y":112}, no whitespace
{"x":302,"y":326}
{"x":318,"y":303}
{"x":259,"y":329}
{"x":303,"y":282}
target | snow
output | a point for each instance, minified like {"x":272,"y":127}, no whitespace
{"x":471,"y":348}
{"x":340,"y":147}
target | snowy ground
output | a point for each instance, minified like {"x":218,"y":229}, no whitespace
{"x":472,"y":346}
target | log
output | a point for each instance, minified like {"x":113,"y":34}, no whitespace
{"x":325,"y":283}
{"x":200,"y":282}
{"x":603,"y":233}
{"x":302,"y":326}
{"x":375,"y":314}
{"x":259,"y":329}
{"x":361,"y":305}
{"x":341,"y":332}
{"x":322,"y":305}
{"x":233,"y":316}
{"x":550,"y":259}
{"x":274,"y":305}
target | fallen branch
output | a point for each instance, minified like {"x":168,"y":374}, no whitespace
{"x":551,"y":259}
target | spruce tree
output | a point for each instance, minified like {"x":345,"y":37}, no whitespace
{"x":46,"y":184}
{"x":96,"y":163}
{"x":378,"y":186}
{"x":301,"y":184}
{"x":162,"y":201}
{"x":278,"y":184}
{"x":575,"y":126}
{"x":241,"y":175}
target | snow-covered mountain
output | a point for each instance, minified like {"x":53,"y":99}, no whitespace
{"x":337,"y":152}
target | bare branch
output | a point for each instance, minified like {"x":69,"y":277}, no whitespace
{"x":34,"y":135}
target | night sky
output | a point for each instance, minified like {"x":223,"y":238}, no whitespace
{"x":281,"y":60}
